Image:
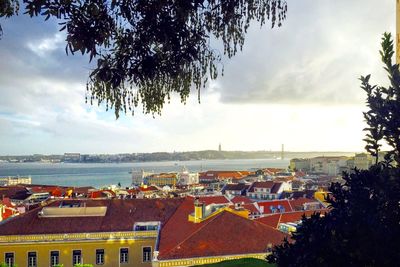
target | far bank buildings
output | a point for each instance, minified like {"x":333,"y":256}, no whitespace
{"x":135,"y":232}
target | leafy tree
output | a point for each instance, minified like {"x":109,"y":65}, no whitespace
{"x":148,"y":49}
{"x":362,"y":227}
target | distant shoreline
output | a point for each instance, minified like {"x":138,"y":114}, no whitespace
{"x":166,"y":157}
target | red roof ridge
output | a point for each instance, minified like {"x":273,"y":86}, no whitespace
{"x":290,"y":205}
{"x":280,"y":218}
{"x":194,"y":232}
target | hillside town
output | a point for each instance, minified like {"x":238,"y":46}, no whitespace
{"x":165,"y":219}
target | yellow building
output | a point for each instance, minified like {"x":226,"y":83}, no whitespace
{"x":162,"y":179}
{"x":97,"y":232}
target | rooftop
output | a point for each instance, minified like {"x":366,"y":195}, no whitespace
{"x":120,"y":215}
{"x":223,"y":234}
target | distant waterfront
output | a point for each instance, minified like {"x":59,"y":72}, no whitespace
{"x":102,"y":174}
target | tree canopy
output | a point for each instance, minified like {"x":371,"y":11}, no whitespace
{"x":362,"y":227}
{"x":148,"y":49}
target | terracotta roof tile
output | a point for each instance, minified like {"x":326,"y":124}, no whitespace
{"x":273,"y":186}
{"x":120,"y":216}
{"x":207,"y":200}
{"x":236,"y":187}
{"x":299,"y":202}
{"x":268,"y":205}
{"x":273,"y":220}
{"x":241,"y":199}
{"x":224,"y":234}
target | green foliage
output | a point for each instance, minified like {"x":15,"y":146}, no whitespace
{"x":149,"y":49}
{"x":384,"y":106}
{"x":362,"y":227}
{"x":248,"y":262}
{"x":8,"y":8}
{"x":83,"y":265}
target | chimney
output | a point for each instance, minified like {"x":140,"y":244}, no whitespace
{"x":198,"y":210}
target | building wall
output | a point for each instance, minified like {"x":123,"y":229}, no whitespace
{"x":206,"y":260}
{"x":300,"y":164}
{"x":88,"y":248}
{"x":161,"y":181}
{"x":15,"y":180}
{"x":362,"y":161}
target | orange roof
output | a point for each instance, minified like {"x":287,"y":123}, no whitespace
{"x":121,"y":215}
{"x":300,"y":201}
{"x":274,"y":220}
{"x":284,"y":178}
{"x":252,"y":208}
{"x":241,"y":199}
{"x":223,"y":234}
{"x":148,"y":188}
{"x":221,"y":175}
{"x":273,"y":171}
{"x":267,"y":205}
{"x":207,"y":200}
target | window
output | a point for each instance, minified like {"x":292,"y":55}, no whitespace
{"x":32,"y":259}
{"x":146,"y":254}
{"x":54,"y":258}
{"x":123,"y":255}
{"x":9,"y":259}
{"x":99,"y":256}
{"x":76,"y":257}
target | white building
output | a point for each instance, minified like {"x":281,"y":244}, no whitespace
{"x":14,"y":180}
{"x":187,"y":178}
{"x":266,"y":190}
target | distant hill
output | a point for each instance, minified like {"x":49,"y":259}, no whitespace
{"x":175,"y":156}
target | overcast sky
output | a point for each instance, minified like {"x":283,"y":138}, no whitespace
{"x":296,"y":85}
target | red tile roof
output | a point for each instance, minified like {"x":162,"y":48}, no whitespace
{"x":274,"y":220}
{"x":120,"y":216}
{"x":241,"y":199}
{"x":275,"y":203}
{"x":272,"y":171}
{"x":14,"y":192}
{"x":207,"y":200}
{"x":298,"y":203}
{"x":251,"y":207}
{"x":235,"y":187}
{"x":223,"y":234}
{"x":273,"y":186}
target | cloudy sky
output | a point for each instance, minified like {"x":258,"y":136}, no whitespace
{"x":296,"y":85}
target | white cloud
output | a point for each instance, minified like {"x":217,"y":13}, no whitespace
{"x":43,"y":46}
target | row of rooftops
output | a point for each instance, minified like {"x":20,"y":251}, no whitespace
{"x":221,"y":234}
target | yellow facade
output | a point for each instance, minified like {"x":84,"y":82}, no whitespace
{"x":162,"y":180}
{"x":111,"y":243}
{"x":206,"y":260}
{"x":198,"y":216}
{"x":321,"y":197}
